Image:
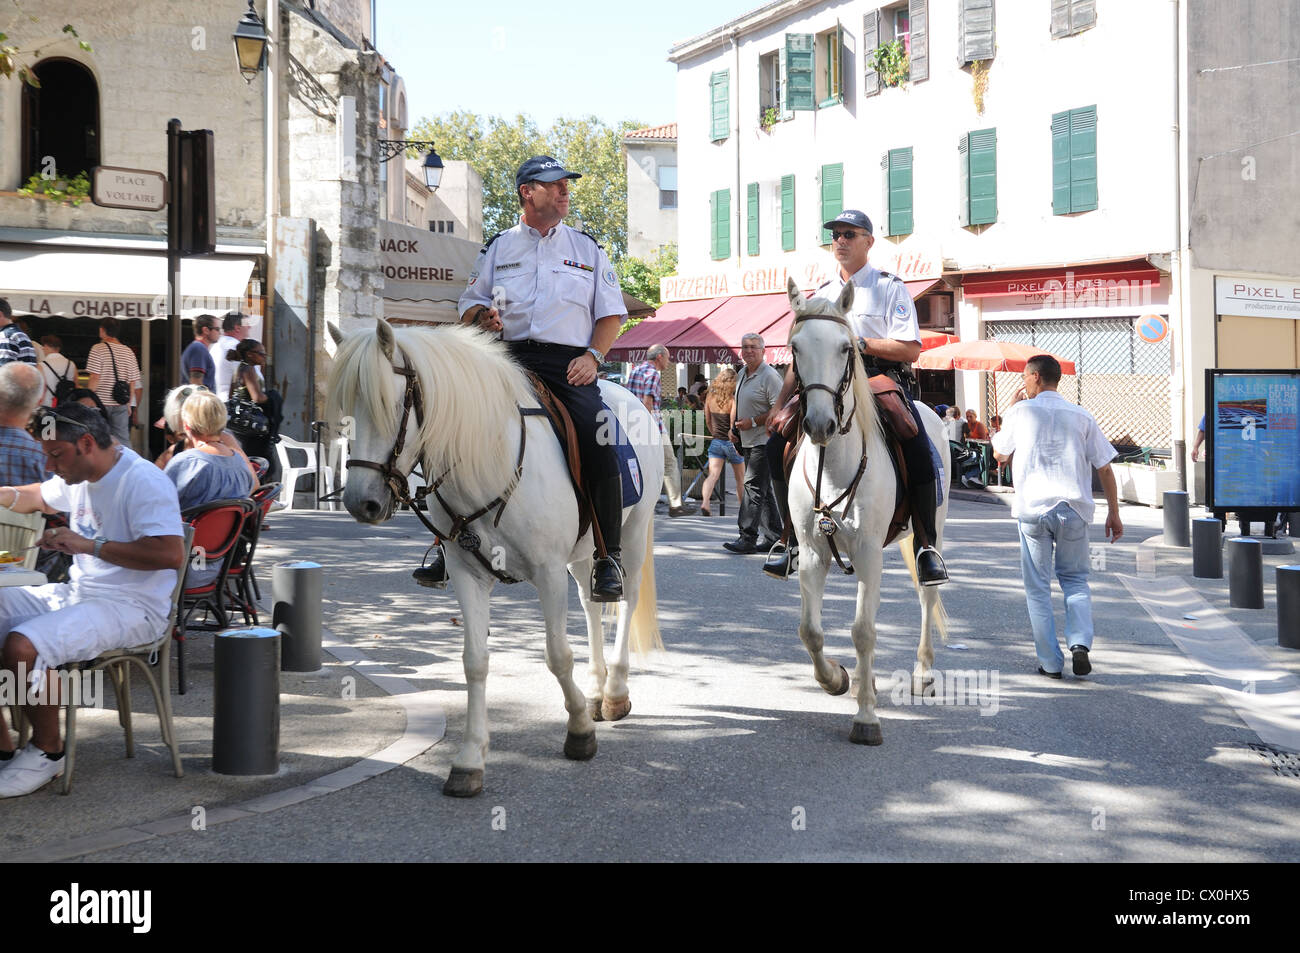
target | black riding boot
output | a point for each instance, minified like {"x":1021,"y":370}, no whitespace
{"x":607,"y":574}
{"x":434,"y":575}
{"x":930,"y":570}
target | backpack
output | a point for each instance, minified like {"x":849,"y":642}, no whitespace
{"x":63,"y":390}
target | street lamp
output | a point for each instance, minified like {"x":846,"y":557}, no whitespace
{"x":250,"y":43}
{"x":432,"y":165}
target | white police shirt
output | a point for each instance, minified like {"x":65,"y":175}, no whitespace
{"x":882,"y":306}
{"x":555,"y":287}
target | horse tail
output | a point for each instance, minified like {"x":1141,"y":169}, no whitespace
{"x":938,"y":614}
{"x":644,"y":627}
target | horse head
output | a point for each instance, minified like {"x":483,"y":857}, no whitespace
{"x":368,"y":391}
{"x":825,"y":356}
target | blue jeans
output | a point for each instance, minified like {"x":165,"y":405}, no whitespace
{"x":1064,"y":530}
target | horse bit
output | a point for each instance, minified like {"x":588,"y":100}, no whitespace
{"x":465,"y":538}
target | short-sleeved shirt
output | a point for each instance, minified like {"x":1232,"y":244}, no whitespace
{"x":644,"y":382}
{"x":203,"y":477}
{"x":196,"y":357}
{"x":554,"y":287}
{"x":882,"y":306}
{"x":15,"y":345}
{"x":22,"y":461}
{"x":101,"y":362}
{"x":1056,"y":445}
{"x":755,"y":395}
{"x":54,"y":368}
{"x":133,"y":500}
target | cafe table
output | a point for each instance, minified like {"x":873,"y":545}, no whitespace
{"x":13,"y":574}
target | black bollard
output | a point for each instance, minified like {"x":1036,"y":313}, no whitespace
{"x":1176,"y":520}
{"x":1245,"y":574}
{"x":1207,"y":548}
{"x":1288,"y":607}
{"x":296,"y":615}
{"x":246,"y":708}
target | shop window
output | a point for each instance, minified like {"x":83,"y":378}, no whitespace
{"x":60,"y":120}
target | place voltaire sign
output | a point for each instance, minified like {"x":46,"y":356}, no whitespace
{"x":810,"y":273}
{"x":129,"y":188}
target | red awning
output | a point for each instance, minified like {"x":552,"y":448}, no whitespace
{"x":716,"y":339}
{"x":1060,"y":280}
{"x":668,"y":321}
{"x":917,"y":288}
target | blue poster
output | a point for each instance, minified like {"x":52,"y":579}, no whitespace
{"x":1254,"y":440}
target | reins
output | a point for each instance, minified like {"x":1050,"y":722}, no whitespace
{"x":459,"y":533}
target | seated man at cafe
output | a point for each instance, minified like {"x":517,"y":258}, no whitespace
{"x":127,"y":543}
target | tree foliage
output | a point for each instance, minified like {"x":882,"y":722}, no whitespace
{"x":15,"y":60}
{"x":496,"y":146}
{"x":640,"y":277}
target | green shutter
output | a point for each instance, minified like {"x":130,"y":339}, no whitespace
{"x":752,"y":202}
{"x":975,"y":31}
{"x":800,"y":53}
{"x":1061,"y":163}
{"x":963,"y":180}
{"x":720,"y":103}
{"x":787,"y":213}
{"x":720,"y":217}
{"x":832,"y":195}
{"x":983,"y":158}
{"x":898,"y":191}
{"x":919,"y":59}
{"x":870,"y":43}
{"x":1083,"y":159}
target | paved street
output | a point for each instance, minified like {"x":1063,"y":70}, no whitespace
{"x":731,"y":747}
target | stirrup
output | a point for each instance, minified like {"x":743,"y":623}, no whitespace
{"x":614,"y":592}
{"x":782,"y":560}
{"x":936,"y":576}
{"x":434,"y":575}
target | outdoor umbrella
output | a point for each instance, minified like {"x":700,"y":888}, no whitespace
{"x":933,"y":339}
{"x":983,"y":356}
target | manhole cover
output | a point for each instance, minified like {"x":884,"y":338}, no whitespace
{"x":1285,"y":764}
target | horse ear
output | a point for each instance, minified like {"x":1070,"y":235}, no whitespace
{"x":335,"y":334}
{"x":797,"y":299}
{"x":846,"y":298}
{"x":386,"y":339}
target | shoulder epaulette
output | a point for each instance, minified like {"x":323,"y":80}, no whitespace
{"x":890,"y":274}
{"x":583,"y":231}
{"x":488,"y":244}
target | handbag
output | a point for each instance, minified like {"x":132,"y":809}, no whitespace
{"x":121,"y":392}
{"x":245,"y":417}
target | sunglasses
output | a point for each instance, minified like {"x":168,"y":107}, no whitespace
{"x":44,"y":422}
{"x":848,"y":235}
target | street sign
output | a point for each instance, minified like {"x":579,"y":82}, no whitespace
{"x":129,"y":188}
{"x":1152,"y":328}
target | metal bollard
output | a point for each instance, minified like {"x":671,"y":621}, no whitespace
{"x":1245,"y":574}
{"x":296,"y":615}
{"x":1177,"y":529}
{"x":1207,"y":548}
{"x":246,"y":706}
{"x":1288,"y":607}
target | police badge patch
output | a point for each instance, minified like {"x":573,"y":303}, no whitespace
{"x":610,"y":279}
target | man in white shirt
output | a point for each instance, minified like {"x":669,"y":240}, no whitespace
{"x":125,"y":536}
{"x":232,"y":332}
{"x":1056,"y":444}
{"x":55,"y":368}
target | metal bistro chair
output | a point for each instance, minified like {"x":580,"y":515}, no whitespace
{"x":118,"y":663}
{"x":218,"y":527}
{"x":241,"y":583}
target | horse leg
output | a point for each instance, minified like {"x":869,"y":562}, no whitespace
{"x":466,"y":778}
{"x":615,"y":703}
{"x":868,"y":563}
{"x":830,"y":674}
{"x":581,"y":572}
{"x":553,"y":591}
{"x":923,"y":674}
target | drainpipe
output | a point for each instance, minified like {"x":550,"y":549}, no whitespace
{"x":272,"y":189}
{"x":1178,"y":397}
{"x":735,"y":44}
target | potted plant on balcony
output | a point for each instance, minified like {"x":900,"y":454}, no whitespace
{"x":890,"y":60}
{"x":769,"y":117}
{"x":60,"y":187}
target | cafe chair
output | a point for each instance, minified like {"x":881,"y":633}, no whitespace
{"x":291,"y":473}
{"x":241,"y":584}
{"x":218,"y":527}
{"x":18,"y":531}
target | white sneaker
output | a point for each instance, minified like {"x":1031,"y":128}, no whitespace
{"x":29,"y":770}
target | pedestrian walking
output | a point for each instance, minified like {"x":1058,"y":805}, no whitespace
{"x":757,"y":388}
{"x":717,"y":409}
{"x":115,"y":377}
{"x":14,"y":344}
{"x":1056,"y":445}
{"x":644,"y":381}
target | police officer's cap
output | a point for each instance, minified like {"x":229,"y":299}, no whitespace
{"x":543,"y":169}
{"x":851,"y":216}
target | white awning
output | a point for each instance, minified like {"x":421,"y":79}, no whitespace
{"x":419,"y":265}
{"x":120,"y":284}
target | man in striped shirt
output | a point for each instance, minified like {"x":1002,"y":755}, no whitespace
{"x":111,"y":363}
{"x":644,"y":381}
{"x":14,"y":344}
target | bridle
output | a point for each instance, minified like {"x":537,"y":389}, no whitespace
{"x":826,"y":521}
{"x":395,"y":479}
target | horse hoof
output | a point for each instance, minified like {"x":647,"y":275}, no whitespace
{"x":594,"y":709}
{"x":580,"y":747}
{"x":844,"y":683}
{"x":923,"y":687}
{"x":613,"y":709}
{"x":463,"y":782}
{"x":866,"y":734}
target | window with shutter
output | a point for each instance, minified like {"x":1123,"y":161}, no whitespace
{"x":720,"y":104}
{"x":832,"y":196}
{"x":787,"y":213}
{"x":721,"y":208}
{"x":752,"y":222}
{"x":1073,"y":16}
{"x":897,"y":167}
{"x":1074,"y":161}
{"x":975,"y":36}
{"x":982,"y":177}
{"x":919,"y":58}
{"x":830,"y":84}
{"x":870,"y":40}
{"x":800,"y":54}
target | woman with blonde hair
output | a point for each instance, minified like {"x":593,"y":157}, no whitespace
{"x":210,"y":470}
{"x":717,"y":409}
{"x":174,"y":429}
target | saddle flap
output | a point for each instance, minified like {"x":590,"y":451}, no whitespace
{"x":892,"y":404}
{"x":562,"y":424}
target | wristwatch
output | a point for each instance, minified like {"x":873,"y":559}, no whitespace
{"x":99,"y":544}
{"x":600,"y":358}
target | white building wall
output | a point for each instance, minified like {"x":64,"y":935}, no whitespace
{"x":649,"y":227}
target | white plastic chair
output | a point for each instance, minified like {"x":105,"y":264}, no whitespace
{"x":18,"y":532}
{"x":290,"y":474}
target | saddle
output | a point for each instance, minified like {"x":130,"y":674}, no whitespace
{"x":898,"y":425}
{"x":562,"y":424}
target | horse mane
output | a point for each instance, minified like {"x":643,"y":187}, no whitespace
{"x":865,"y":415}
{"x":471,"y":388}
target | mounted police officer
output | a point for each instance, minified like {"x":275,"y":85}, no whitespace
{"x":883,"y":318}
{"x":552,"y":292}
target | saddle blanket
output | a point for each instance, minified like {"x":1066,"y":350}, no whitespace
{"x":628,"y":467}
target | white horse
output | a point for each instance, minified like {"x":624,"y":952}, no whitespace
{"x":452,"y":399}
{"x":845,"y":445}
